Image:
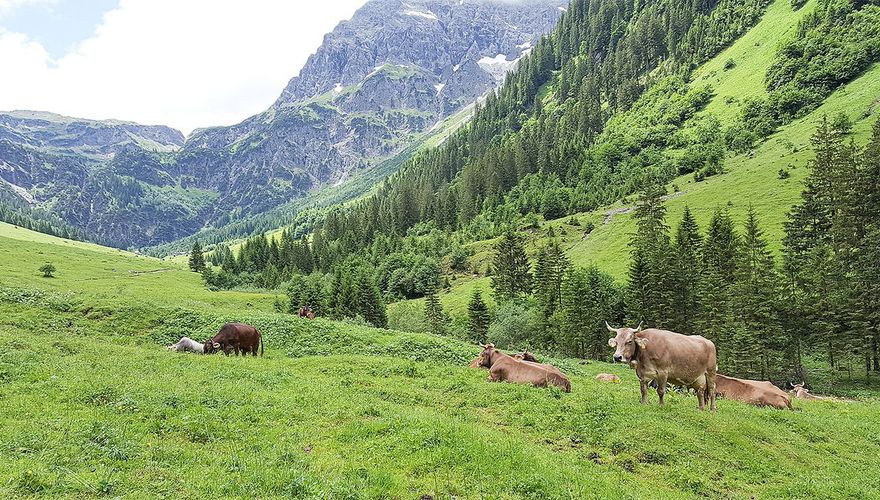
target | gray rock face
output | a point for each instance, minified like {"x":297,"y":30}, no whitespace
{"x":393,"y":71}
{"x":97,"y":139}
{"x":377,"y":83}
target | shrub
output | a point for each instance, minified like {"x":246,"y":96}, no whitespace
{"x":48,"y":270}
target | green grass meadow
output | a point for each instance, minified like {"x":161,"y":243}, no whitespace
{"x":92,"y":404}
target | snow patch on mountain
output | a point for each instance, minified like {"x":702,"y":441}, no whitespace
{"x":417,"y":13}
{"x":497,"y":66}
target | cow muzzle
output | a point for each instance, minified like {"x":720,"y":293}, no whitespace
{"x":618,"y":358}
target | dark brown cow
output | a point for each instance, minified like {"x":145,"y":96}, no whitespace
{"x":664,"y":356}
{"x":236,"y":337}
{"x":505,"y":368}
{"x":753,"y":392}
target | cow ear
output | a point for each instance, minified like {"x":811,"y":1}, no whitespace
{"x":612,"y":342}
{"x":643,"y":343}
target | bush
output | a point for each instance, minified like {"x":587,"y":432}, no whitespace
{"x":515,"y":326}
{"x":784,"y":174}
{"x":48,"y":270}
{"x":729,"y":64}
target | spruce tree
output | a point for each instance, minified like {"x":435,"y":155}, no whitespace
{"x":756,"y":336}
{"x":435,"y":318}
{"x":650,"y":288}
{"x":718,"y":275}
{"x":511,"y":274}
{"x":686,"y":277}
{"x":550,"y":270}
{"x":196,"y":258}
{"x":478,"y":314}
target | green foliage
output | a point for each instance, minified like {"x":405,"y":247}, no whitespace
{"x":197,"y":259}
{"x":478,"y":316}
{"x":834,"y":44}
{"x":48,"y":270}
{"x":511,"y":271}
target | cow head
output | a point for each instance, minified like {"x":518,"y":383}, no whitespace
{"x":625,"y":343}
{"x":211,"y":347}
{"x":527,"y":356}
{"x":486,"y":355}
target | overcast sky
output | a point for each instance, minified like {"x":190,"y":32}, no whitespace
{"x":183,"y":63}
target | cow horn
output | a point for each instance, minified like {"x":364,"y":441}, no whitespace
{"x":216,"y":345}
{"x":639,"y":328}
{"x":609,"y":327}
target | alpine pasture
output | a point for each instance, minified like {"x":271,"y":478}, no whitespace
{"x":94,"y":405}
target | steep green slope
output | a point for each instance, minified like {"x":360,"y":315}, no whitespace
{"x":92,"y":405}
{"x":750,"y":179}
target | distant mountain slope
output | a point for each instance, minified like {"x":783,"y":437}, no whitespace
{"x":96,"y":139}
{"x":395,"y":70}
{"x":380,"y":83}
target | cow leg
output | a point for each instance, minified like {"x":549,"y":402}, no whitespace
{"x":661,"y":388}
{"x":710,"y":388}
{"x":701,"y":397}
{"x":237,"y":350}
{"x":643,"y":385}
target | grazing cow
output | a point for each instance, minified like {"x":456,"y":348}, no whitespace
{"x":753,"y":392}
{"x":608,"y":377}
{"x":505,"y":368}
{"x":664,"y":356}
{"x":236,"y":337}
{"x":187,"y":344}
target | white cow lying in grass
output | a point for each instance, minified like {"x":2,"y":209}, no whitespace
{"x":187,"y":344}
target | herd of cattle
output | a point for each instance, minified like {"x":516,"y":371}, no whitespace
{"x":659,"y":357}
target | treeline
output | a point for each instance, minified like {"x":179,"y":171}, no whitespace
{"x":336,"y":284}
{"x":40,"y":221}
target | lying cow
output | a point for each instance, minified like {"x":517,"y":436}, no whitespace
{"x":752,"y":392}
{"x":524,"y":356}
{"x":664,"y":356}
{"x":235,"y":337}
{"x":187,"y":344}
{"x":505,"y":368}
{"x":608,"y":377}
{"x":802,"y":392}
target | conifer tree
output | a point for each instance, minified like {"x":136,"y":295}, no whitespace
{"x":686,"y":278}
{"x":370,"y":304}
{"x":756,"y":336}
{"x":650,"y":287}
{"x":435,"y":318}
{"x":718,"y":275}
{"x":478,"y":314}
{"x":196,"y":258}
{"x":550,"y":270}
{"x":511,"y":274}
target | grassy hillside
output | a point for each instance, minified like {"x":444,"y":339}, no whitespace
{"x":111,"y":276}
{"x":750,"y":179}
{"x":93,"y":405}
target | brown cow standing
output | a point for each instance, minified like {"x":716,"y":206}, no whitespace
{"x":664,"y":356}
{"x":505,"y":368}
{"x":753,"y":392}
{"x":236,"y":337}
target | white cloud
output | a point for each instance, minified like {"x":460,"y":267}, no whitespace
{"x":185,"y":64}
{"x":7,"y":6}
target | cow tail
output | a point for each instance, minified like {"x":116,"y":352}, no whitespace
{"x":261,"y":345}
